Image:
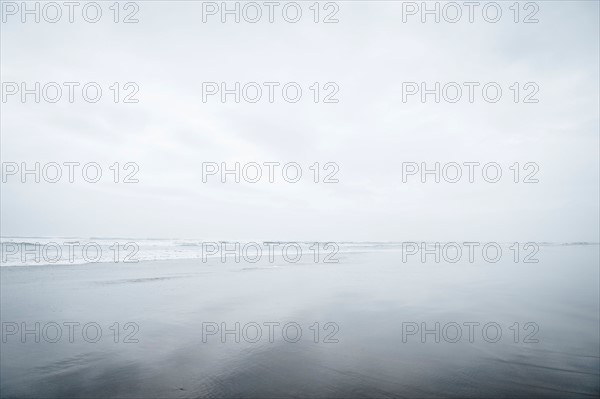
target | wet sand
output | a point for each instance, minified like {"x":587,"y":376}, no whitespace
{"x":368,"y":295}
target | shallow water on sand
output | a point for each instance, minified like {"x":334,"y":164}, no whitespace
{"x":370,"y":297}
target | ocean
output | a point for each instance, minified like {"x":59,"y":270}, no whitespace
{"x":374,"y":320}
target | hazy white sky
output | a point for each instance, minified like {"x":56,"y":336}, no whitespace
{"x":170,"y":132}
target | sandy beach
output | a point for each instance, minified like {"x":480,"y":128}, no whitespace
{"x":168,"y":341}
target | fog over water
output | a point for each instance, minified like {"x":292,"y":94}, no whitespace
{"x":369,"y":132}
{"x":310,"y":199}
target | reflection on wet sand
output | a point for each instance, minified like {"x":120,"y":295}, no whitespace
{"x":370,"y":296}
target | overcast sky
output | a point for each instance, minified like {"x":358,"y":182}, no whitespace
{"x":170,"y":132}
